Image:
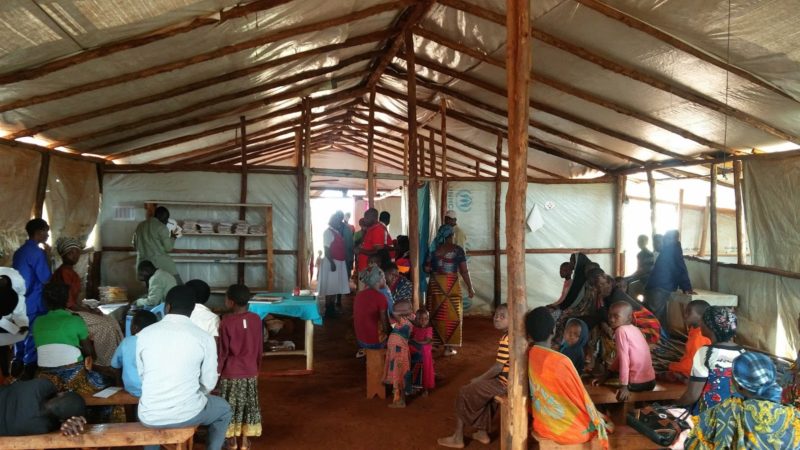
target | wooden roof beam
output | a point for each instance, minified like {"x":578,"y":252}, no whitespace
{"x":490,"y":155}
{"x":236,"y":110}
{"x":577,"y":92}
{"x":320,"y":101}
{"x":208,"y":56}
{"x":629,"y":72}
{"x":407,"y":19}
{"x":137,"y":41}
{"x":352,"y":42}
{"x":497,"y":90}
{"x":650,"y":30}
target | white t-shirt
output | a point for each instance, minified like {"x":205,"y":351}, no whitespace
{"x":206,"y":319}
{"x":720,"y":358}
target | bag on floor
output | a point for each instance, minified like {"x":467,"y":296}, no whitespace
{"x":658,"y":424}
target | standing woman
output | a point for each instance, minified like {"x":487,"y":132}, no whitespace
{"x":445,"y":262}
{"x":333,"y":279}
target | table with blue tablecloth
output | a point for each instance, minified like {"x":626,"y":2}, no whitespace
{"x":303,"y":307}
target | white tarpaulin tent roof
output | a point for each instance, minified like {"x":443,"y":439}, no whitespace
{"x":616,"y":84}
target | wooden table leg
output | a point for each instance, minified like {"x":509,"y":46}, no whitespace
{"x":309,"y":345}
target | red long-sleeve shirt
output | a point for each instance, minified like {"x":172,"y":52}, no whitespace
{"x":240,"y":345}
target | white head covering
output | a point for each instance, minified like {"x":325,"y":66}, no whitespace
{"x":451,"y":214}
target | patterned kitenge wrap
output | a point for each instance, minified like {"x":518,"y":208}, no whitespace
{"x":722,"y":321}
{"x":445,"y":302}
{"x":242,"y":395}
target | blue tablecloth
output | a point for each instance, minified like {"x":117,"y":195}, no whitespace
{"x":303,"y":307}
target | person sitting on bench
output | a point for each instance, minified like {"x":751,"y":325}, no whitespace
{"x":633,"y":361}
{"x":561,"y":407}
{"x":36,"y":407}
{"x":177,"y":362}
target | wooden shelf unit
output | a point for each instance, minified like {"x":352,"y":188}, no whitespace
{"x":235,"y":257}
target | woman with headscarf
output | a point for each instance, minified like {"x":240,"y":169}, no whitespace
{"x":104,"y":331}
{"x":669,"y":273}
{"x":710,"y":382}
{"x":445,"y":262}
{"x":753,"y":420}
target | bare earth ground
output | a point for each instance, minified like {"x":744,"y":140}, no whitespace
{"x":328,"y":410}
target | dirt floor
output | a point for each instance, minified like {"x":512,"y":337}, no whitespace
{"x":328,"y":409}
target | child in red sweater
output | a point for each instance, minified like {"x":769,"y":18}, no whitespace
{"x":240,"y":348}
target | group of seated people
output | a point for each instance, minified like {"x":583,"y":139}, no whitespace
{"x":734,"y":394}
{"x":172,"y":365}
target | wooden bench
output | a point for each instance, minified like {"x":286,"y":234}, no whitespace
{"x":105,"y":436}
{"x":376,"y":364}
{"x":122,"y":398}
{"x":623,"y":436}
{"x":607,"y":395}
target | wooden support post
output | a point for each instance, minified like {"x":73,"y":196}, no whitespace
{"x":619,"y":205}
{"x":737,"y":190}
{"x":432,"y":147}
{"x":421,"y":154}
{"x":651,"y":183}
{"x":371,"y":151}
{"x":298,"y":142}
{"x":477,"y":168}
{"x":497,"y":190}
{"x":704,"y":230}
{"x":680,"y":212}
{"x":405,"y":161}
{"x":518,"y":57}
{"x":41,"y":187}
{"x":413,"y":212}
{"x":714,"y":272}
{"x":270,"y":242}
{"x":443,"y":127}
{"x":242,"y":195}
{"x":304,"y":225}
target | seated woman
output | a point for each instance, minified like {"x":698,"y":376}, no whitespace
{"x":104,"y":331}
{"x":756,"y":420}
{"x":712,"y":369}
{"x":561,"y":407}
{"x":610,"y":293}
{"x":63,"y":346}
{"x":370,"y":318}
{"x":402,"y":290}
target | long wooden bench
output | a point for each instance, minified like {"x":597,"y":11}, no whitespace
{"x":111,"y":435}
{"x":120,"y":398}
{"x":607,"y":395}
{"x":624,"y":437}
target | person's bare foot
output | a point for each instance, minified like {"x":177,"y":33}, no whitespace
{"x":482,"y":437}
{"x":451,"y":442}
{"x":398,"y":404}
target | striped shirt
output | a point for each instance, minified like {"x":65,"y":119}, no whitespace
{"x":502,"y":358}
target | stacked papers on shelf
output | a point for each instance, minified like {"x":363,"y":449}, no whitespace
{"x":189,"y":226}
{"x":256,"y":229}
{"x":225,"y":227}
{"x":205,"y":227}
{"x":240,"y":227}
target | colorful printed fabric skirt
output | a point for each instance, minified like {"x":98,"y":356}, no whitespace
{"x":446,"y":308}
{"x":76,"y":378}
{"x":242,"y":395}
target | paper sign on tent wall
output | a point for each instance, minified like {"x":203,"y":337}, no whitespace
{"x":534,"y":221}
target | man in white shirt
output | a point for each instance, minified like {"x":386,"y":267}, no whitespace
{"x":177,"y":363}
{"x":202,"y":316}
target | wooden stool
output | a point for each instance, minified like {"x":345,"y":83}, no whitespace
{"x":376,"y":363}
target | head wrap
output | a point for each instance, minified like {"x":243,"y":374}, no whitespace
{"x":65,"y":244}
{"x":450,"y":214}
{"x":575,"y":352}
{"x":444,"y":232}
{"x":371,"y":276}
{"x":755,"y":373}
{"x":721,"y":321}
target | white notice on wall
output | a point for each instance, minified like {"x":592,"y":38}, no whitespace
{"x":535,"y":221}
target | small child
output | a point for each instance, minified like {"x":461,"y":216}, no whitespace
{"x":693,"y":318}
{"x":398,"y":361}
{"x":633,"y":361}
{"x":576,"y":335}
{"x":125,"y":356}
{"x":240,"y":349}
{"x":422,"y":353}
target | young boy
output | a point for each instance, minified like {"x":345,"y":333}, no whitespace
{"x":125,"y":356}
{"x":692,"y":317}
{"x":475,"y":400}
{"x":633,"y":361}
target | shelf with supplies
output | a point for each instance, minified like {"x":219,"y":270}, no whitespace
{"x":239,"y":257}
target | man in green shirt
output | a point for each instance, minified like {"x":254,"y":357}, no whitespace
{"x":153,"y":242}
{"x":158,"y":281}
